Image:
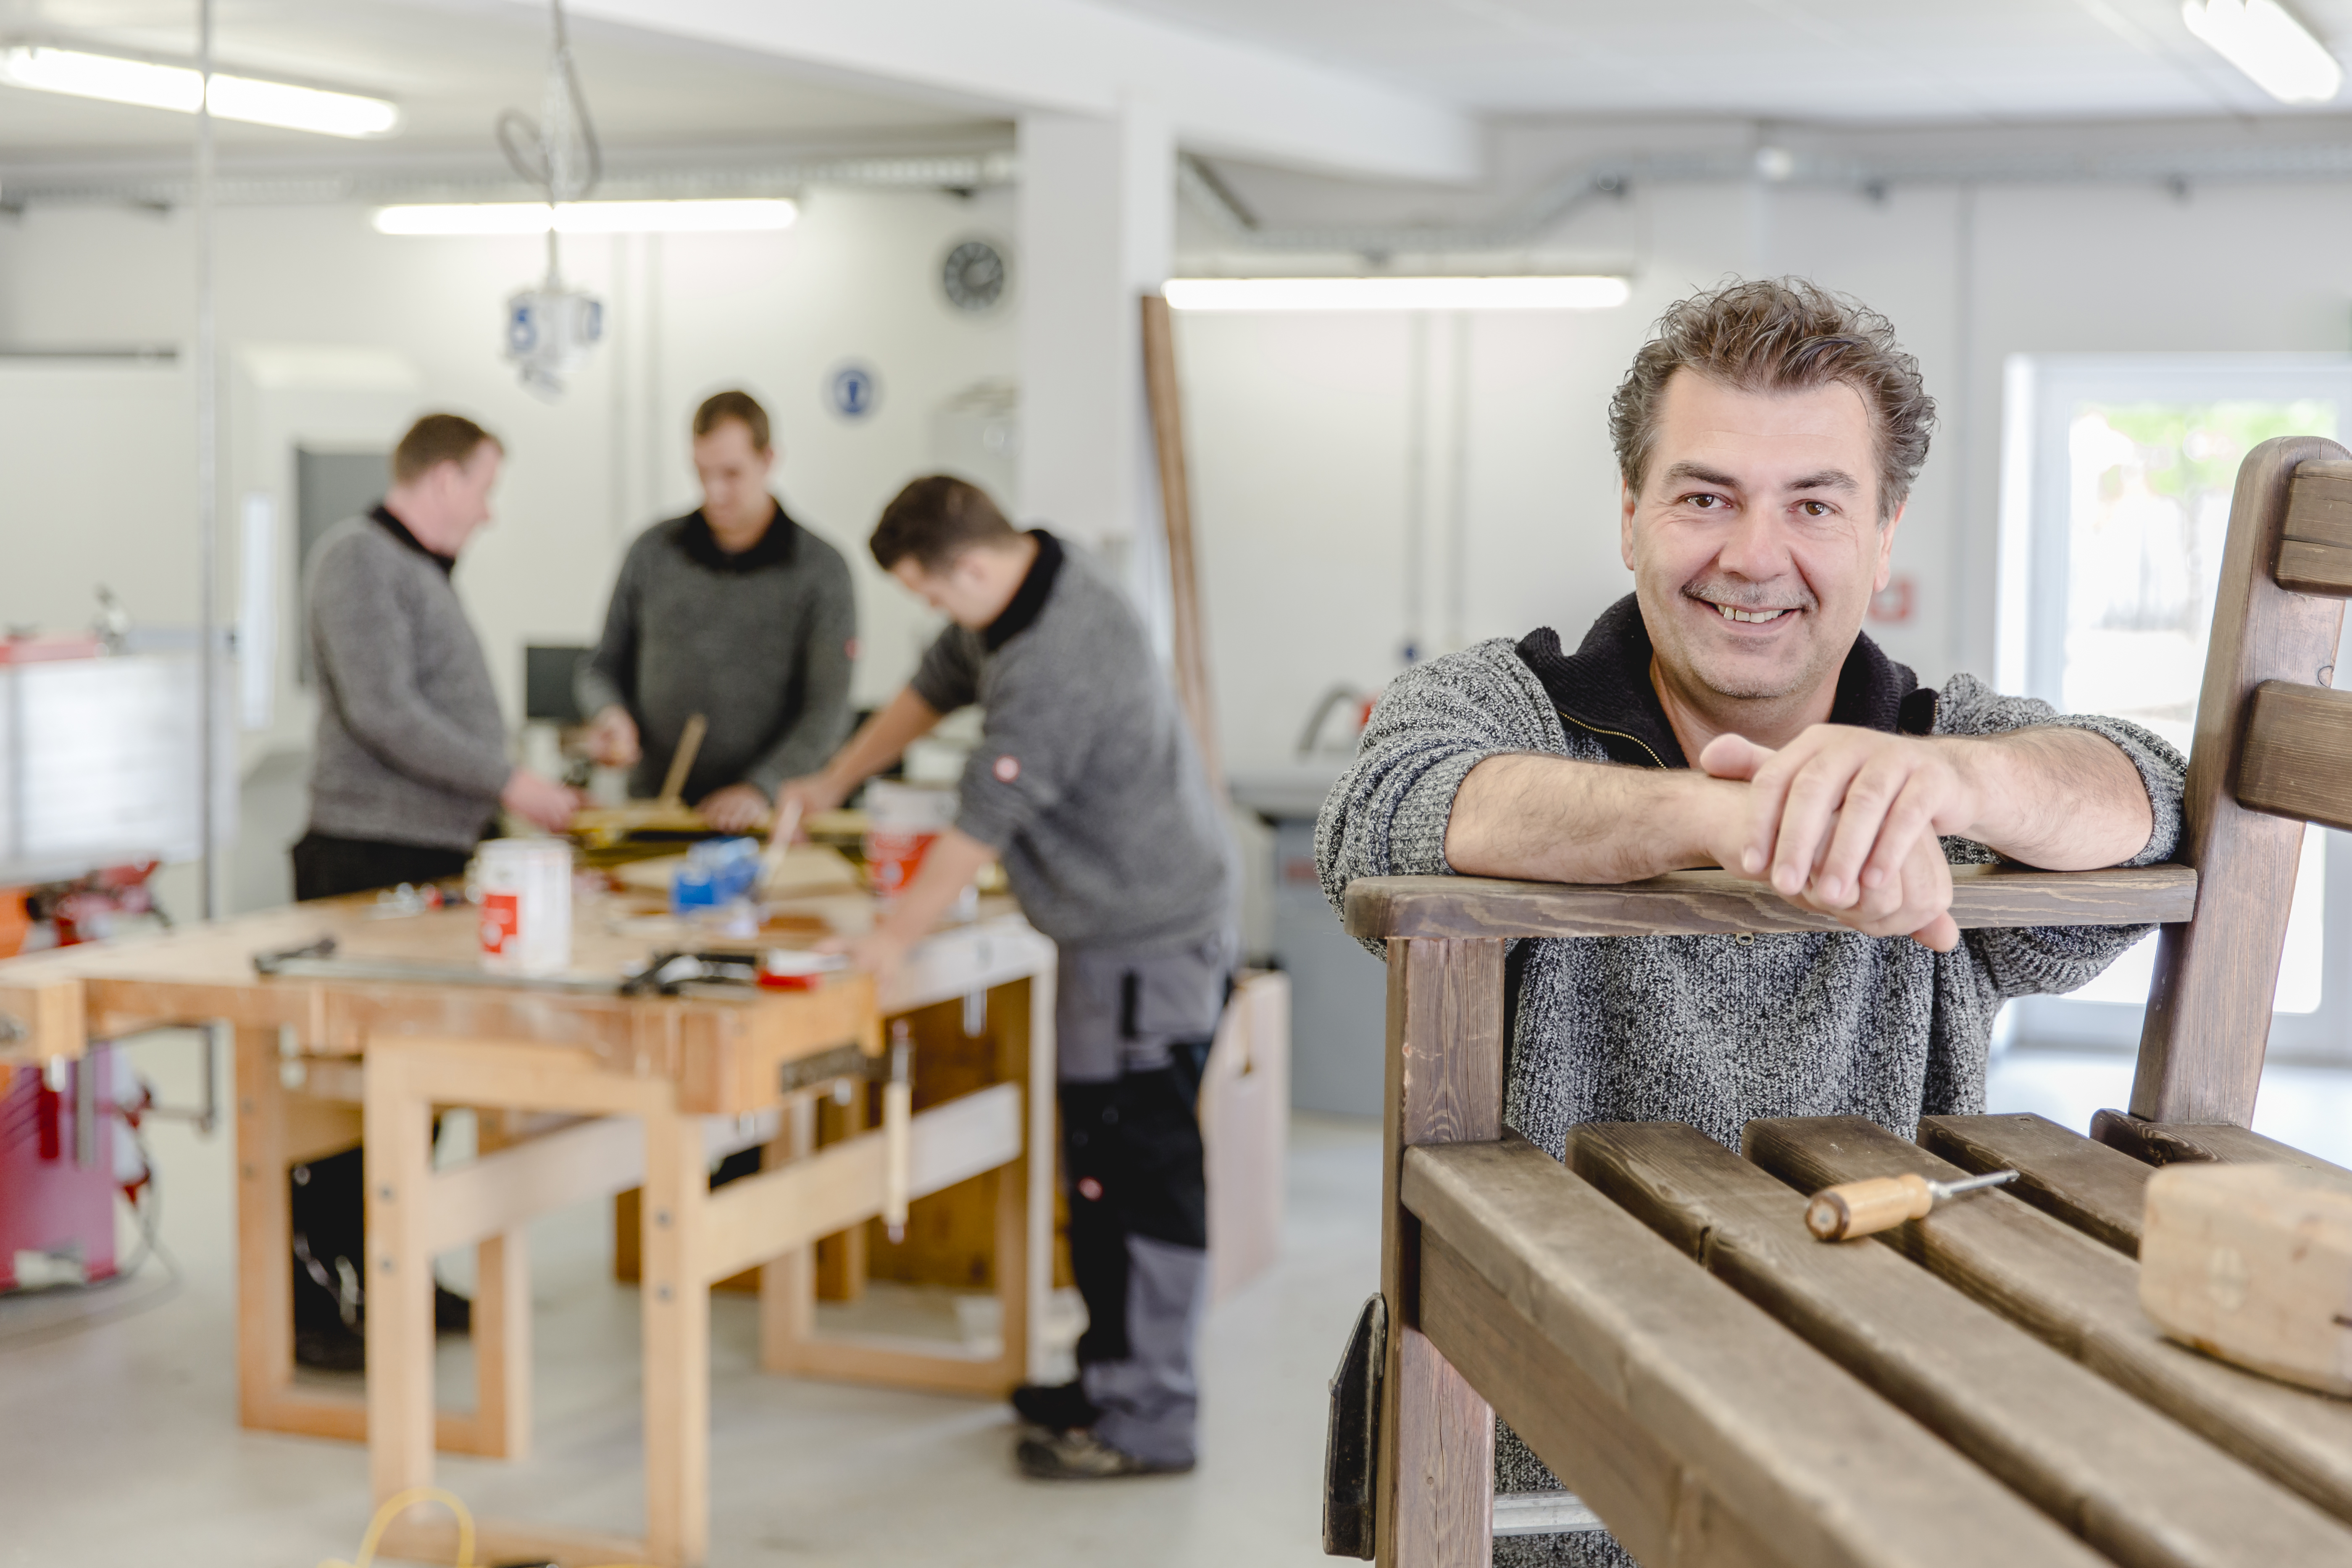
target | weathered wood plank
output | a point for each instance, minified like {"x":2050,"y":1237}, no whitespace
{"x":2170,"y":1142}
{"x":2133,"y":1484}
{"x":2297,"y":757}
{"x":1773,"y":1442}
{"x":2307,"y":566}
{"x":2097,"y":1190}
{"x":2319,"y":503}
{"x":1435,"y":1478}
{"x":2209,"y":1009}
{"x":2081,"y":1297}
{"x":1702,"y":903}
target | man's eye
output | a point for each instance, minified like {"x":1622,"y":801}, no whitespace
{"x":1816,"y":508}
{"x":1705,"y":500}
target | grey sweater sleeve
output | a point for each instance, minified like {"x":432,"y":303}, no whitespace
{"x":1387,"y":814}
{"x":828,"y":653}
{"x":365,"y":642}
{"x":2029,"y":960}
{"x":948,"y":676}
{"x":607,"y":676}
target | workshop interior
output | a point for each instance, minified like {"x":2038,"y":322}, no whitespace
{"x":1055,"y":782}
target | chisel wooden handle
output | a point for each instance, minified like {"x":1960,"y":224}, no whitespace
{"x":1864,"y":1208}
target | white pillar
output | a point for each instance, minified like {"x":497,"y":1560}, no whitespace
{"x":1097,"y":221}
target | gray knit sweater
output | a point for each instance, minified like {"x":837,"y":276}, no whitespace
{"x":1709,"y":1030}
{"x":411,"y":746}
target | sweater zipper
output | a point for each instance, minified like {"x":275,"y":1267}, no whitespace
{"x":1655,"y":760}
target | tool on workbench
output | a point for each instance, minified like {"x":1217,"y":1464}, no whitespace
{"x":1882,"y":1203}
{"x":897,"y":1129}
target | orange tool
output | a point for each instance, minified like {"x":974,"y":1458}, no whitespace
{"x":1882,"y":1203}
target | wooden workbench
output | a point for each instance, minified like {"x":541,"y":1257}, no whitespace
{"x":581,"y":1093}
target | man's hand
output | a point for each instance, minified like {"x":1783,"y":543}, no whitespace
{"x":878,"y":952}
{"x":1847,"y":822}
{"x":538,"y":800}
{"x":811,"y":793}
{"x":738,"y":808}
{"x":612,"y":738}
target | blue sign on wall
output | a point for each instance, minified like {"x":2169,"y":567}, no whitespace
{"x":853,"y":390}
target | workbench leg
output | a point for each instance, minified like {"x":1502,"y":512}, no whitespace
{"x":264,"y":1237}
{"x":841,"y":1260}
{"x":501,"y":1323}
{"x":399,"y":1135}
{"x":674,"y":1296}
{"x":787,"y":1280}
{"x":1036,"y":1173}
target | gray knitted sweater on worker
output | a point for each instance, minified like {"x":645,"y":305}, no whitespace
{"x":1709,"y":1030}
{"x":411,"y":747}
{"x":760,"y":642}
{"x":1085,"y":780}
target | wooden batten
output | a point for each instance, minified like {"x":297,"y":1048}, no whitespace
{"x":2097,"y":1190}
{"x":2297,"y":757}
{"x":2314,"y":553}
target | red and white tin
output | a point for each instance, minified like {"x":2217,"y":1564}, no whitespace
{"x":526,"y":905}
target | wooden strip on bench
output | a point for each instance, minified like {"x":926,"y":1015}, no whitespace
{"x":2297,"y":757}
{"x":1704,"y":904}
{"x":2135,"y":1484}
{"x":2081,"y":1297}
{"x":2171,"y":1142}
{"x":2097,"y":1190}
{"x":1697,"y":1428}
{"x":2306,"y":566}
{"x":2319,"y":503}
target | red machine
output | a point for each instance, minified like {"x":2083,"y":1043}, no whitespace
{"x":67,"y":1147}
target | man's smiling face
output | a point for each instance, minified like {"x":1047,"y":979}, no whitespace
{"x":1754,"y":541}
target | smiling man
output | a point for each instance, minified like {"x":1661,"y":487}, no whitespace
{"x":1767,"y":438}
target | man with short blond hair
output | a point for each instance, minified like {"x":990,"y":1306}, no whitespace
{"x":1731,"y":712}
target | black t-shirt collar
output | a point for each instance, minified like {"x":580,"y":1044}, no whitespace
{"x":1604,"y":689}
{"x":1029,"y":599}
{"x":381,"y":515}
{"x":774,"y":548}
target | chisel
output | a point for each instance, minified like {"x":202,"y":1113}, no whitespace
{"x":1882,"y":1203}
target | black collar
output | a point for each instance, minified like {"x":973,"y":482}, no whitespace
{"x":772,"y":548}
{"x":1029,"y":599}
{"x":1604,"y":689}
{"x":382,"y":517}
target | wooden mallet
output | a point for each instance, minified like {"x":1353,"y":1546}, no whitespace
{"x":1882,"y":1203}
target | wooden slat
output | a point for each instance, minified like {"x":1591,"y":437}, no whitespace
{"x":2082,"y":1298}
{"x":2170,"y":1142}
{"x":2133,"y":1484}
{"x":2097,"y":1190}
{"x":2306,"y":566}
{"x":2319,"y":503}
{"x":505,"y":1190}
{"x":1702,"y":903}
{"x":2208,"y":1010}
{"x":1709,"y":1419}
{"x":1190,"y":635}
{"x":2297,"y":756}
{"x":1435,"y":1480}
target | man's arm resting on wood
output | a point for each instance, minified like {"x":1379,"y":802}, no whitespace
{"x":1551,"y":819}
{"x":2062,"y":799}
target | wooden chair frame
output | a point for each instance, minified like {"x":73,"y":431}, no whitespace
{"x":1512,"y":1287}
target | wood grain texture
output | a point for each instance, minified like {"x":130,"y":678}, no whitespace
{"x":2167,"y":1144}
{"x":2253,"y":1264}
{"x":1704,"y":904}
{"x":2097,"y":1190}
{"x":2319,"y":504}
{"x":2081,"y":1297}
{"x":2209,"y":1011}
{"x":1165,"y":395}
{"x":2133,"y":1484}
{"x":1444,"y":1085}
{"x":1807,"y":1464}
{"x":2305,"y":567}
{"x":2297,"y":757}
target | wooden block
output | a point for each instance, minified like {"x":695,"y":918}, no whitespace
{"x":2306,"y":566}
{"x":2253,"y":1264}
{"x":1702,"y":903}
{"x":2173,"y":1142}
{"x":2132,"y":1483}
{"x":2097,"y":1190}
{"x":2319,"y":503}
{"x":2297,"y":755}
{"x":2080,"y":1296}
{"x":1685,"y":1416}
{"x":1244,"y":1129}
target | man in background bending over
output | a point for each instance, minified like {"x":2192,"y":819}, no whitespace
{"x":1086,"y":785}
{"x":735,"y":612}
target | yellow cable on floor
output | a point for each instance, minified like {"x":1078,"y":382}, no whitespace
{"x":399,"y":1501}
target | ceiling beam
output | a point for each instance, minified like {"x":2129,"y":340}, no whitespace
{"x":1006,"y":57}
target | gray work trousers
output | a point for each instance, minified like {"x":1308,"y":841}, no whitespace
{"x":1132,"y":1030}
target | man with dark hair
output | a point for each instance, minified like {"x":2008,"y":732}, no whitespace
{"x":1086,"y":783}
{"x":1731,"y":712}
{"x":737,"y":613}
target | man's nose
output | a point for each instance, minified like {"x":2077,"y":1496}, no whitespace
{"x":1756,"y":548}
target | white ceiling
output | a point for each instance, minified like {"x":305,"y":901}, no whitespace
{"x":1796,"y":60}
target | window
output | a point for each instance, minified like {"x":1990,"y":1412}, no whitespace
{"x":2118,"y":473}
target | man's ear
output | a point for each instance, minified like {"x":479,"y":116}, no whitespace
{"x":1886,"y":546}
{"x":1627,"y":501}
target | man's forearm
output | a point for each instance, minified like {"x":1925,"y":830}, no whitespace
{"x":954,"y":859}
{"x":1550,"y":820}
{"x":2062,"y":799}
{"x":880,"y":739}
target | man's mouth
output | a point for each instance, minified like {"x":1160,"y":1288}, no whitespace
{"x":1750,"y":617}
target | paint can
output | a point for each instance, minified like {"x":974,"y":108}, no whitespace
{"x":526,"y":905}
{"x":903,"y":821}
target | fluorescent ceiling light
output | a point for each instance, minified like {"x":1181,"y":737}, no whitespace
{"x":181,"y":88}
{"x":1568,"y":293}
{"x":2261,"y":39}
{"x":742,"y":217}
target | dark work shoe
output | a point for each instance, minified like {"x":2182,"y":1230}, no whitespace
{"x":1082,"y":1456}
{"x":1055,"y":1406}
